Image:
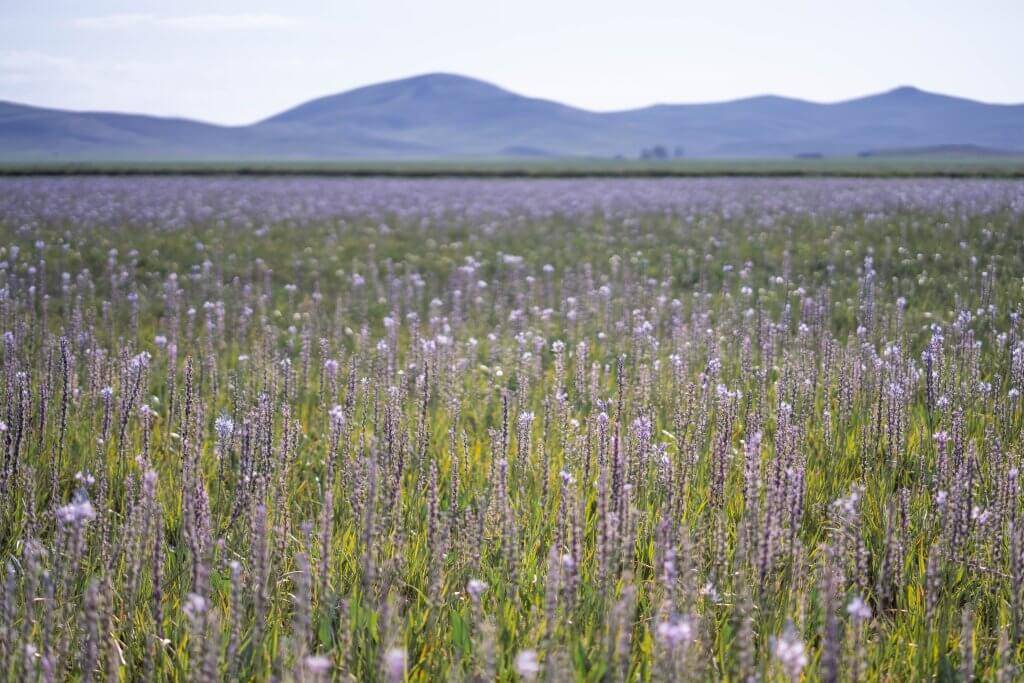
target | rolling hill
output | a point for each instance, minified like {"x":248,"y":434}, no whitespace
{"x":445,"y":116}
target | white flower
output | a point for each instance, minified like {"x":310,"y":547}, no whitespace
{"x":858,"y":609}
{"x":337,"y":415}
{"x":224,"y":426}
{"x":317,"y":664}
{"x":194,"y":606}
{"x":85,"y":478}
{"x":980,"y":515}
{"x":710,"y":592}
{"x":527,"y":665}
{"x":790,"y":651}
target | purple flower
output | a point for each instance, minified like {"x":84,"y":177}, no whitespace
{"x":676,"y":632}
{"x":476,"y":588}
{"x":76,"y":513}
{"x":394,"y":664}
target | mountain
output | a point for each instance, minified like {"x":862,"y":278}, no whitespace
{"x":777,"y":126}
{"x":50,"y":134}
{"x":442,"y":115}
{"x":437,"y":116}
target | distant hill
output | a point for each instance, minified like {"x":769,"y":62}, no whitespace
{"x":944,"y":151}
{"x":445,"y":116}
{"x":51,"y":134}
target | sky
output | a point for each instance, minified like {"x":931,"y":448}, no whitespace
{"x":239,"y":62}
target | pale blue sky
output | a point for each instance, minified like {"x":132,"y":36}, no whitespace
{"x":236,"y":62}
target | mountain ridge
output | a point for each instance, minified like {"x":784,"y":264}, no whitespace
{"x":444,"y":115}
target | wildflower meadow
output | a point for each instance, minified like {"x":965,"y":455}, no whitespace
{"x":313,"y":429}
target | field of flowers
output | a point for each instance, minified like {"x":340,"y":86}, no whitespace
{"x":590,"y":429}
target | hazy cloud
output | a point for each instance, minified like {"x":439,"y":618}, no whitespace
{"x":26,"y":66}
{"x":43,"y":72}
{"x":193,"y":22}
